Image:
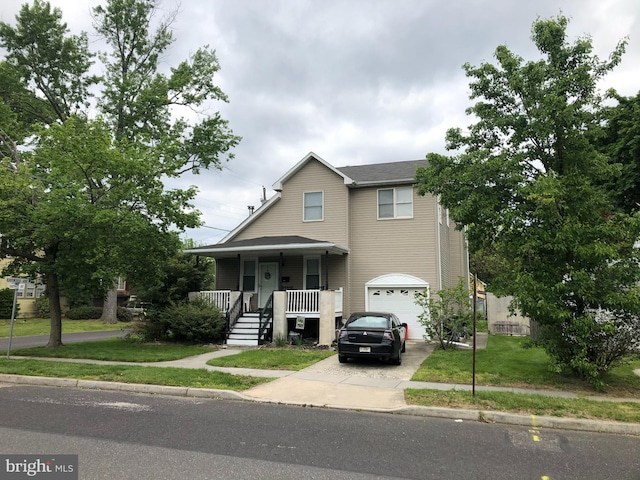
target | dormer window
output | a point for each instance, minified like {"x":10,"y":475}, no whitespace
{"x":395,"y":203}
{"x":313,"y":206}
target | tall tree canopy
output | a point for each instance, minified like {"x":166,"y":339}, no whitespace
{"x":529,"y":187}
{"x":81,"y":188}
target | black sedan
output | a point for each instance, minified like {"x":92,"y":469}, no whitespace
{"x":372,"y":335}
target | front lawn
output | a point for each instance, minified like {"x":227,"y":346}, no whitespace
{"x":273,"y":359}
{"x":505,"y":362}
{"x":116,"y":349}
{"x":24,"y":327}
{"x":179,"y":377}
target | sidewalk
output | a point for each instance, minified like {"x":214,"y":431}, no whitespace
{"x":355,"y":386}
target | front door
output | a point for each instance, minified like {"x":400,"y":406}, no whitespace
{"x":267,"y":282}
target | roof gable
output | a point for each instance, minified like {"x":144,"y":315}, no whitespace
{"x":309,"y":157}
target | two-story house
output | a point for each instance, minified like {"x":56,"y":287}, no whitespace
{"x":361,"y":232}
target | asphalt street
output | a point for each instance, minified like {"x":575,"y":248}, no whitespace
{"x":122,"y":435}
{"x":41,"y":340}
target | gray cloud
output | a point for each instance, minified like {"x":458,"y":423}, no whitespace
{"x":358,"y":81}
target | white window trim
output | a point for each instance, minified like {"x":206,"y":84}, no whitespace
{"x":304,"y":269}
{"x":395,"y":203}
{"x":255,"y":274}
{"x":321,"y":192}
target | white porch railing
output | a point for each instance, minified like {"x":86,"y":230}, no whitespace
{"x":303,"y":301}
{"x":219,"y":298}
{"x":308,"y":301}
{"x":339,"y":297}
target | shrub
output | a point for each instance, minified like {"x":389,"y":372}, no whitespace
{"x":193,"y":322}
{"x":447,"y":317}
{"x":42,"y":306}
{"x":86,"y":312}
{"x":124,"y":315}
{"x":6,"y":303}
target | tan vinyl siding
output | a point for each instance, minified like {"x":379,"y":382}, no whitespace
{"x":445,"y":251}
{"x":380,"y":247}
{"x":459,"y":256}
{"x":285,"y":217}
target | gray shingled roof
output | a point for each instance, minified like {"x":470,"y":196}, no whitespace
{"x":264,"y":242}
{"x":290,"y":244}
{"x":382,"y":173}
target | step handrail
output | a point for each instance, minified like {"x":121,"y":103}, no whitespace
{"x":232,"y":316}
{"x":265,"y":329}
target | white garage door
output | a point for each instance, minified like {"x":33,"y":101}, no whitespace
{"x":397,"y":297}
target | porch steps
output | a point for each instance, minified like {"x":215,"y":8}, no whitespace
{"x":245,"y":331}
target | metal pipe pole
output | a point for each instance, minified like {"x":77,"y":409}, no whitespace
{"x":13,"y":318}
{"x":475,"y":312}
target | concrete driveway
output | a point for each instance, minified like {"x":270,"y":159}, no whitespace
{"x":357,"y":384}
{"x":417,"y":352}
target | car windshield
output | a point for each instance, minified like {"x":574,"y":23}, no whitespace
{"x":368,"y":321}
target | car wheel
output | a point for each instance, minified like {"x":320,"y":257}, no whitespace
{"x":397,"y":360}
{"x":342,"y":359}
{"x":404,"y":347}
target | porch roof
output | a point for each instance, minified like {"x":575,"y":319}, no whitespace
{"x":291,"y":244}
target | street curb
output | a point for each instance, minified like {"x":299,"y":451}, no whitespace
{"x":533,"y":421}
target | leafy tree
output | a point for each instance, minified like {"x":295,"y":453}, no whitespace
{"x":528,"y":185}
{"x":139,"y":101}
{"x":181,"y":274}
{"x":447,"y":315}
{"x":82,"y":199}
{"x":621,"y":142}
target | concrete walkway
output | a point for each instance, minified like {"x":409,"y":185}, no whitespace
{"x":361,"y":385}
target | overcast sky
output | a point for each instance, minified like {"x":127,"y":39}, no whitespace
{"x":355,"y":81}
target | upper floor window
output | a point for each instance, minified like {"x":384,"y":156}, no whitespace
{"x":395,"y":202}
{"x":313,"y":206}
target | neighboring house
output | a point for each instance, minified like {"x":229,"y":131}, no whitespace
{"x":360,"y":231}
{"x":26,"y":296}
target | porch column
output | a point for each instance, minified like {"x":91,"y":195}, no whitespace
{"x":327,"y":327}
{"x":279,"y":315}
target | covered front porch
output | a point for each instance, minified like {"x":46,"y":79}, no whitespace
{"x":295,"y":315}
{"x":279,"y":287}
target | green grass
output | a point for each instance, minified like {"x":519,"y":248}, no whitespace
{"x":527,"y":404}
{"x":505,"y":362}
{"x":42,"y":326}
{"x":180,"y":377}
{"x":273,"y":359}
{"x":116,"y":349}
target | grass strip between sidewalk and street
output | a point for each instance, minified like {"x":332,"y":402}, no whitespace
{"x":529,"y":404}
{"x":179,"y":377}
{"x":24,"y":327}
{"x":273,"y":359}
{"x":117,"y":350}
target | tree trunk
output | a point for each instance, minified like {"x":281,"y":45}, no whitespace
{"x":110,"y":308}
{"x":55,"y":336}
